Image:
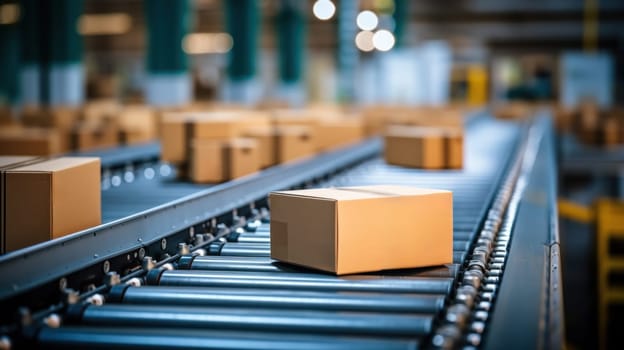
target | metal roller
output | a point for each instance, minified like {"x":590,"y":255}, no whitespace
{"x":299,"y":281}
{"x":458,"y":245}
{"x":269,"y":265}
{"x":74,"y":337}
{"x":255,"y":250}
{"x":239,"y":249}
{"x":276,"y":299}
{"x":252,"y":238}
{"x":298,"y":321}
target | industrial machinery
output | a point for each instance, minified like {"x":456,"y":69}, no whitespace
{"x":196,"y":272}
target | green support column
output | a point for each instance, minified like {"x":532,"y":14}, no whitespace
{"x":290,"y":26}
{"x":400,"y":16}
{"x":168,"y":80}
{"x":30,"y":71}
{"x":61,"y":58}
{"x":9,"y":59}
{"x":347,"y":55}
{"x":242,"y":19}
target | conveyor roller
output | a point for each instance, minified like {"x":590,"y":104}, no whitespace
{"x":276,"y":299}
{"x":297,"y":321}
{"x":300,"y":281}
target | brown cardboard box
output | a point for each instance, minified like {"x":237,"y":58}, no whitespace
{"x":418,"y":147}
{"x":341,"y":230}
{"x":87,"y":136}
{"x":173,"y":142}
{"x":282,"y":144}
{"x":333,"y":133}
{"x":244,"y":157}
{"x":137,"y":124}
{"x":454,"y":147}
{"x":293,"y":142}
{"x":295,"y":117}
{"x":100,"y":110}
{"x":207,"y":162}
{"x":50,"y":199}
{"x":217,"y":161}
{"x":62,"y":118}
{"x":7,"y":163}
{"x":266,"y":140}
{"x":179,"y":128}
{"x":30,"y":141}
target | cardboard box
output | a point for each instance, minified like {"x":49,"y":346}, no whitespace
{"x":137,"y":124}
{"x":266,"y":140}
{"x":86,"y":136}
{"x":50,"y":199}
{"x":179,"y":128}
{"x":30,"y":141}
{"x":333,"y":133}
{"x":62,"y":118}
{"x":293,"y":142}
{"x":295,"y":117}
{"x":454,"y":148}
{"x":417,"y":147}
{"x":217,"y":161}
{"x":425,"y":147}
{"x":7,"y":163}
{"x":341,"y":230}
{"x":100,"y":110}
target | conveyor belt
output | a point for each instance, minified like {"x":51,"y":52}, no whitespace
{"x":228,"y":293}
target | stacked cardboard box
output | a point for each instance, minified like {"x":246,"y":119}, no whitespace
{"x":44,"y":199}
{"x":217,"y":161}
{"x":281,"y":144}
{"x":335,"y":229}
{"x":30,"y":141}
{"x":280,"y":135}
{"x":594,"y":126}
{"x":378,"y":117}
{"x":424,"y":147}
{"x":137,"y":124}
{"x":189,"y":139}
{"x":61,"y":120}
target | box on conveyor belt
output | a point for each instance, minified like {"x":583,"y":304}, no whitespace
{"x":88,"y":136}
{"x":31,"y":141}
{"x":424,"y":147}
{"x":217,"y":161}
{"x":137,"y":124}
{"x":179,"y":129}
{"x":266,"y":140}
{"x":361,"y":229}
{"x":6,"y":163}
{"x":378,"y":117}
{"x":61,"y":118}
{"x":335,"y":132}
{"x":50,"y":199}
{"x":295,"y":117}
{"x":283,"y":143}
{"x":100,"y":110}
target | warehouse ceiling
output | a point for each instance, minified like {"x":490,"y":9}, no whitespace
{"x":495,"y":24}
